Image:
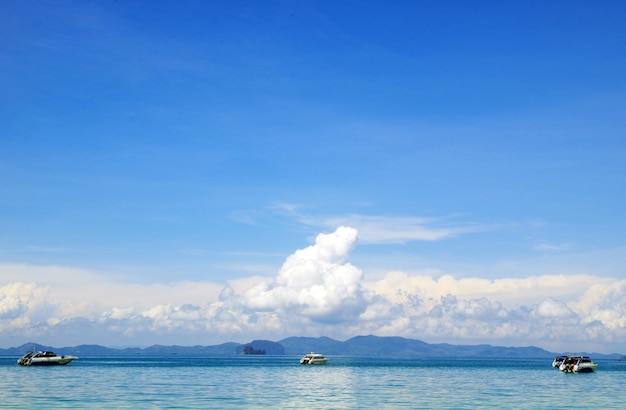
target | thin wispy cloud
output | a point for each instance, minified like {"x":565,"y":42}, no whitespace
{"x":551,"y":247}
{"x":391,"y":229}
{"x":381,"y":229}
{"x":35,"y":248}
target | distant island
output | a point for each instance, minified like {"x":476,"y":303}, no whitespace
{"x":368,"y":346}
{"x":248,"y":349}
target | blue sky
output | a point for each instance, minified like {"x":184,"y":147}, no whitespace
{"x":463,"y":162}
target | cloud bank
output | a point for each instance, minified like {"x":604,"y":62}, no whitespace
{"x":316,"y":292}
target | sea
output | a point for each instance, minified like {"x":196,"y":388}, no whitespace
{"x":280,"y":382}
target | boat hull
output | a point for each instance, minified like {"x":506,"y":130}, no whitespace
{"x":63,"y":360}
{"x":314,"y":362}
{"x":585,"y":369}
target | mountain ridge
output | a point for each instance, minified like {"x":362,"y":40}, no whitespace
{"x":372,"y":346}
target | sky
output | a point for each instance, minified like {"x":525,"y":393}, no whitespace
{"x":197,"y":172}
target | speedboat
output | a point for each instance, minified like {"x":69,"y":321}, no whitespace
{"x":558,"y":360}
{"x":36,"y":358}
{"x":578,"y":364}
{"x":585,"y":365}
{"x":313,"y":358}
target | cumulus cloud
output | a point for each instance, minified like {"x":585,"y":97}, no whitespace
{"x":11,"y":306}
{"x":315,"y":282}
{"x":317,"y":291}
{"x":553,"y":309}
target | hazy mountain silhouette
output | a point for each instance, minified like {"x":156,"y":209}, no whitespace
{"x":374,"y":346}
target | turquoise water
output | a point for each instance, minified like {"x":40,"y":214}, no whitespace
{"x":261,"y":382}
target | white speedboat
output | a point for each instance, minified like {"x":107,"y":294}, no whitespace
{"x":585,"y":365}
{"x":36,"y":358}
{"x":313,"y":358}
{"x":558,"y":361}
{"x":578,"y":364}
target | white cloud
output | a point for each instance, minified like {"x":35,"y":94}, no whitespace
{"x":376,"y":229}
{"x":315,"y":282}
{"x":554,"y":309}
{"x":316,"y":292}
{"x":380,"y":229}
{"x":551,"y":247}
{"x":14,"y":300}
{"x":604,"y":304}
{"x":400,"y":286}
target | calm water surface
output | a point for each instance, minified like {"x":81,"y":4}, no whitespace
{"x":281,"y":382}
